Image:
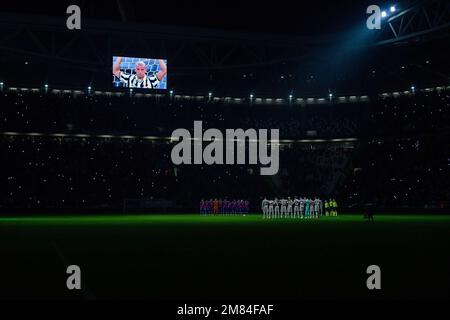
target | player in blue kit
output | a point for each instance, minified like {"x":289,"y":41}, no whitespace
{"x":307,"y":207}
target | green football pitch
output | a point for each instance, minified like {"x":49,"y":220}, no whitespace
{"x":189,"y":257}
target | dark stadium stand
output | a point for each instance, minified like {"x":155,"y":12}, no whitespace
{"x":93,"y":151}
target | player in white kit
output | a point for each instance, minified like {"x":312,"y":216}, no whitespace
{"x":271,"y":209}
{"x":283,"y":204}
{"x":276,"y":204}
{"x":289,"y":207}
{"x":265,"y":208}
{"x":296,"y":208}
{"x":302,"y":207}
{"x":311,"y":208}
{"x":316,"y":207}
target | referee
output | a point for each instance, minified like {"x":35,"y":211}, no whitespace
{"x":140,"y":79}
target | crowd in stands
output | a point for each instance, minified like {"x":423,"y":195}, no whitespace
{"x":421,"y":113}
{"x":96,"y":114}
{"x":85,"y":172}
{"x":401,"y":157}
{"x":402,"y":172}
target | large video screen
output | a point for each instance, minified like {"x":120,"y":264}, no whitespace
{"x":140,"y":73}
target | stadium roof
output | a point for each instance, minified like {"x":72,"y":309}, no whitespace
{"x":333,"y":56}
{"x":308,"y":18}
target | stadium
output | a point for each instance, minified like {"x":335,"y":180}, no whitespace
{"x":88,"y":117}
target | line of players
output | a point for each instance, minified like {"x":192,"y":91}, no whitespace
{"x":224,"y":207}
{"x":297,"y":208}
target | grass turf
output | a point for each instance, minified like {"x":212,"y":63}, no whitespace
{"x":225,"y":257}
